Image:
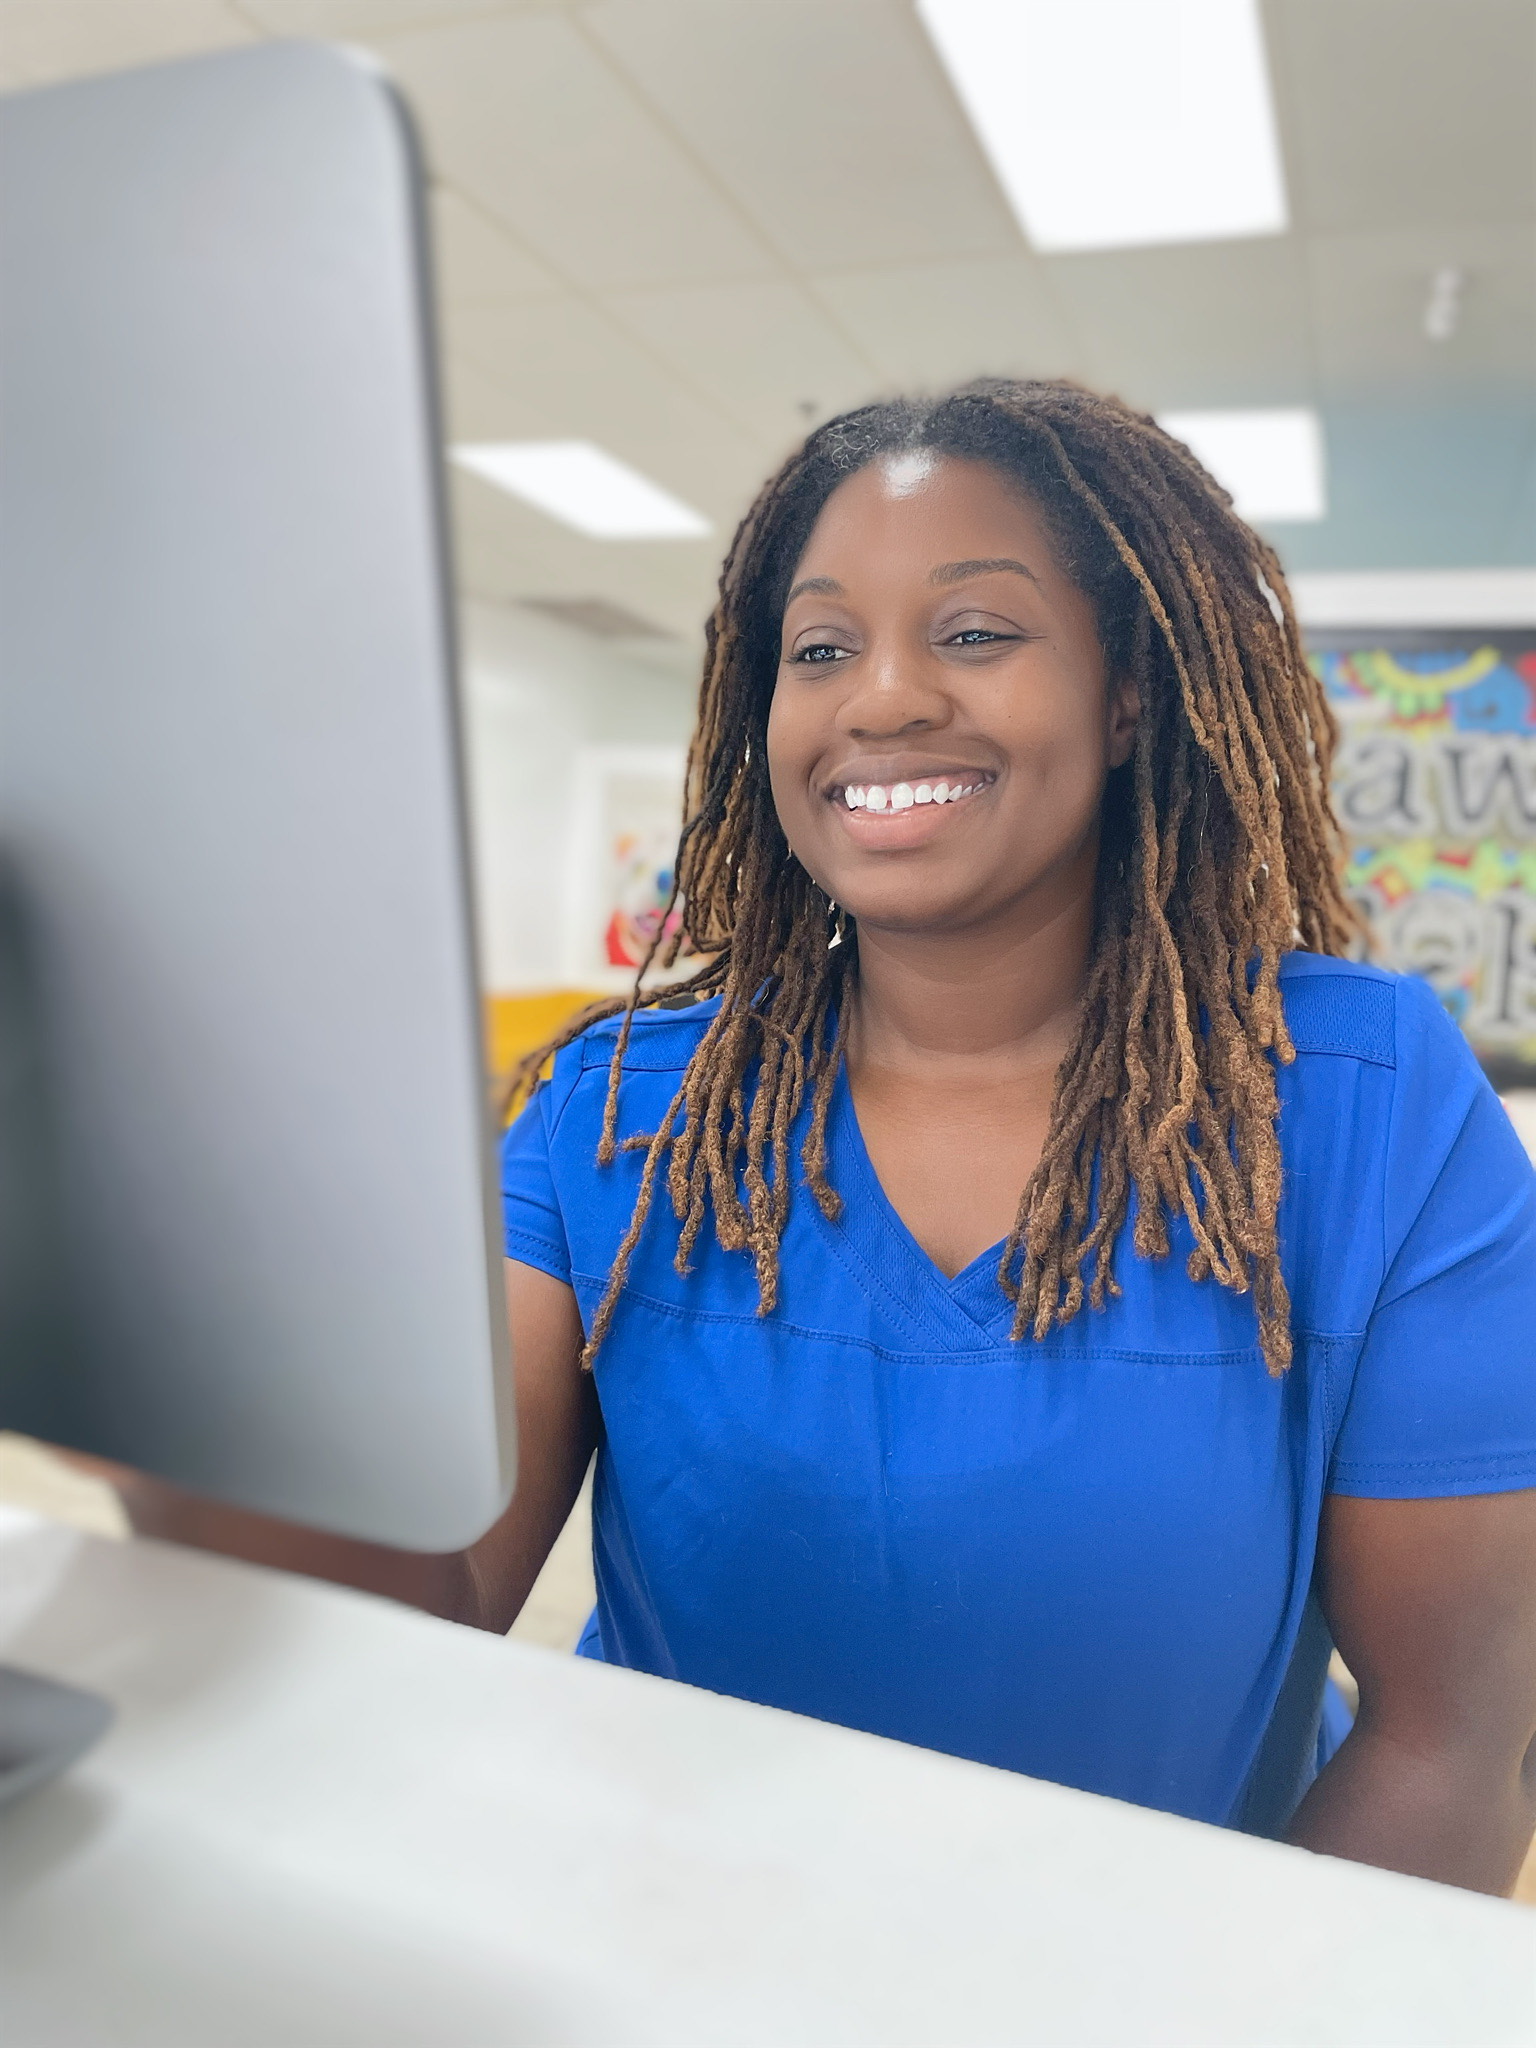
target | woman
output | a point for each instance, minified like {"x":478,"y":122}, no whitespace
{"x":1028,"y":1292}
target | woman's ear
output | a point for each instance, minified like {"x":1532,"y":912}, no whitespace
{"x":1124,"y":713}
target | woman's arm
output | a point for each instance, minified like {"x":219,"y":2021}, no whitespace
{"x":485,"y":1585}
{"x":1433,"y":1606}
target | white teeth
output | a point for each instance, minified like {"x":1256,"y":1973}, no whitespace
{"x":901,"y":796}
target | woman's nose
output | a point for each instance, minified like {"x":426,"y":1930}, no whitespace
{"x":894,"y":693}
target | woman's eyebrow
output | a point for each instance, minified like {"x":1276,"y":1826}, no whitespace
{"x":815,"y":586}
{"x":957,"y":572}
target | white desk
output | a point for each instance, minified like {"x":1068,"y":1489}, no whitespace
{"x":322,"y":1819}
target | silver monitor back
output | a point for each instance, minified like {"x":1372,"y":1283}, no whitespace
{"x":247,"y":1214}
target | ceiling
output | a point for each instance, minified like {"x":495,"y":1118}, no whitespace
{"x":685,"y":229}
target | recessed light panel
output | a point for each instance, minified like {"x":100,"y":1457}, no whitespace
{"x":586,"y":487}
{"x":1271,"y":462}
{"x":1112,"y":124}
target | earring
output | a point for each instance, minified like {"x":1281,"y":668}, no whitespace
{"x":839,"y":924}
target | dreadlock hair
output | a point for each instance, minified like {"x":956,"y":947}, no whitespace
{"x":1218,"y":852}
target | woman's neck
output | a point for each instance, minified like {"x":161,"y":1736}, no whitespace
{"x":1000,"y":997}
{"x":953,"y":1050}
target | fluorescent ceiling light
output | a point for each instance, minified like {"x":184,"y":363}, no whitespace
{"x":586,"y":487}
{"x":1115,"y":123}
{"x":1271,"y":462}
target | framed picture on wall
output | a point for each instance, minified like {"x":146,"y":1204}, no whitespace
{"x":1435,"y":786}
{"x":625,"y":819}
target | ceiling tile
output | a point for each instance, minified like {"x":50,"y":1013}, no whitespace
{"x":1397,"y":112}
{"x":476,"y":407}
{"x":44,"y":40}
{"x":532,"y":124}
{"x":506,"y":551}
{"x":1211,"y":323}
{"x":566,"y":371}
{"x":1369,"y":292}
{"x":364,"y":18}
{"x":830,"y":121}
{"x":931,"y":325}
{"x":764,"y":352}
{"x":478,"y":261}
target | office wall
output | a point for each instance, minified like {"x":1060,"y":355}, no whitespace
{"x":539,"y":697}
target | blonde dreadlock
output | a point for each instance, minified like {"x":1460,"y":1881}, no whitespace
{"x":1218,"y":853}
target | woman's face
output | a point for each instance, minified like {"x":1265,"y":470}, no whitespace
{"x":941,"y":669}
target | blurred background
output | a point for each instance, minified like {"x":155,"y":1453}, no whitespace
{"x":672,"y":235}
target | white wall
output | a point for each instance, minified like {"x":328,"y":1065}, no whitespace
{"x":534,"y":694}
{"x":1416,"y":597}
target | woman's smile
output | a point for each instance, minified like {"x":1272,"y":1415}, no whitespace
{"x":896,"y":812}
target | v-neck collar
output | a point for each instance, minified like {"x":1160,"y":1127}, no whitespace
{"x":889,"y":1258}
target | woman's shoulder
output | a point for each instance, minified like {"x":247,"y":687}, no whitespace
{"x":660,"y":1043}
{"x":661,"y":1040}
{"x":549,"y":1151}
{"x":1388,"y":1126}
{"x":1346,"y":1009}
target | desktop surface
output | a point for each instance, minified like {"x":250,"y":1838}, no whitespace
{"x":323,"y":1819}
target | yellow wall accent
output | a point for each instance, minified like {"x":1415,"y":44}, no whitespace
{"x":514,"y":1025}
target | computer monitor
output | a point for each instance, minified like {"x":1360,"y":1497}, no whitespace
{"x":247,"y":1206}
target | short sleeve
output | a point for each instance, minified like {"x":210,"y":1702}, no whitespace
{"x":1443,"y":1399}
{"x":533,"y":1228}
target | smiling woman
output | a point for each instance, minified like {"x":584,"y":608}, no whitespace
{"x":1139,"y":1296}
{"x":1028,"y":1293}
{"x":1044,"y":584}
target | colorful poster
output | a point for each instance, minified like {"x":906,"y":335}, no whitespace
{"x":627,"y":815}
{"x":1435,"y":786}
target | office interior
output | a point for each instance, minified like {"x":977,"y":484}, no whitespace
{"x":671,"y":236}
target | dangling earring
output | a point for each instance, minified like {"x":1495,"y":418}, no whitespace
{"x":839,"y":924}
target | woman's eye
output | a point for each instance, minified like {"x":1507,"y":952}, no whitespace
{"x":821,"y":651}
{"x":975,"y":636}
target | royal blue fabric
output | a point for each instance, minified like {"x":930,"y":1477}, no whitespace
{"x":1088,"y":1559}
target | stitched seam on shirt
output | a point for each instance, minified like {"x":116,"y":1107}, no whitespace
{"x":1488,"y":1238}
{"x":1343,"y":1052}
{"x":1333,"y":1049}
{"x":866,"y":1278}
{"x":865,"y":1275}
{"x":609,"y":1029}
{"x":570,"y":1097}
{"x":1117,"y":1354}
{"x":1468,"y":1461}
{"x":1333,"y":1409}
{"x":1121,"y":1353}
{"x":541,"y":1244}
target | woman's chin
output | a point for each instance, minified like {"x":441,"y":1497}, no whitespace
{"x":913,"y":912}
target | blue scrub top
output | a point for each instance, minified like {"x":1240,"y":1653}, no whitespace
{"x":1089,"y":1559}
